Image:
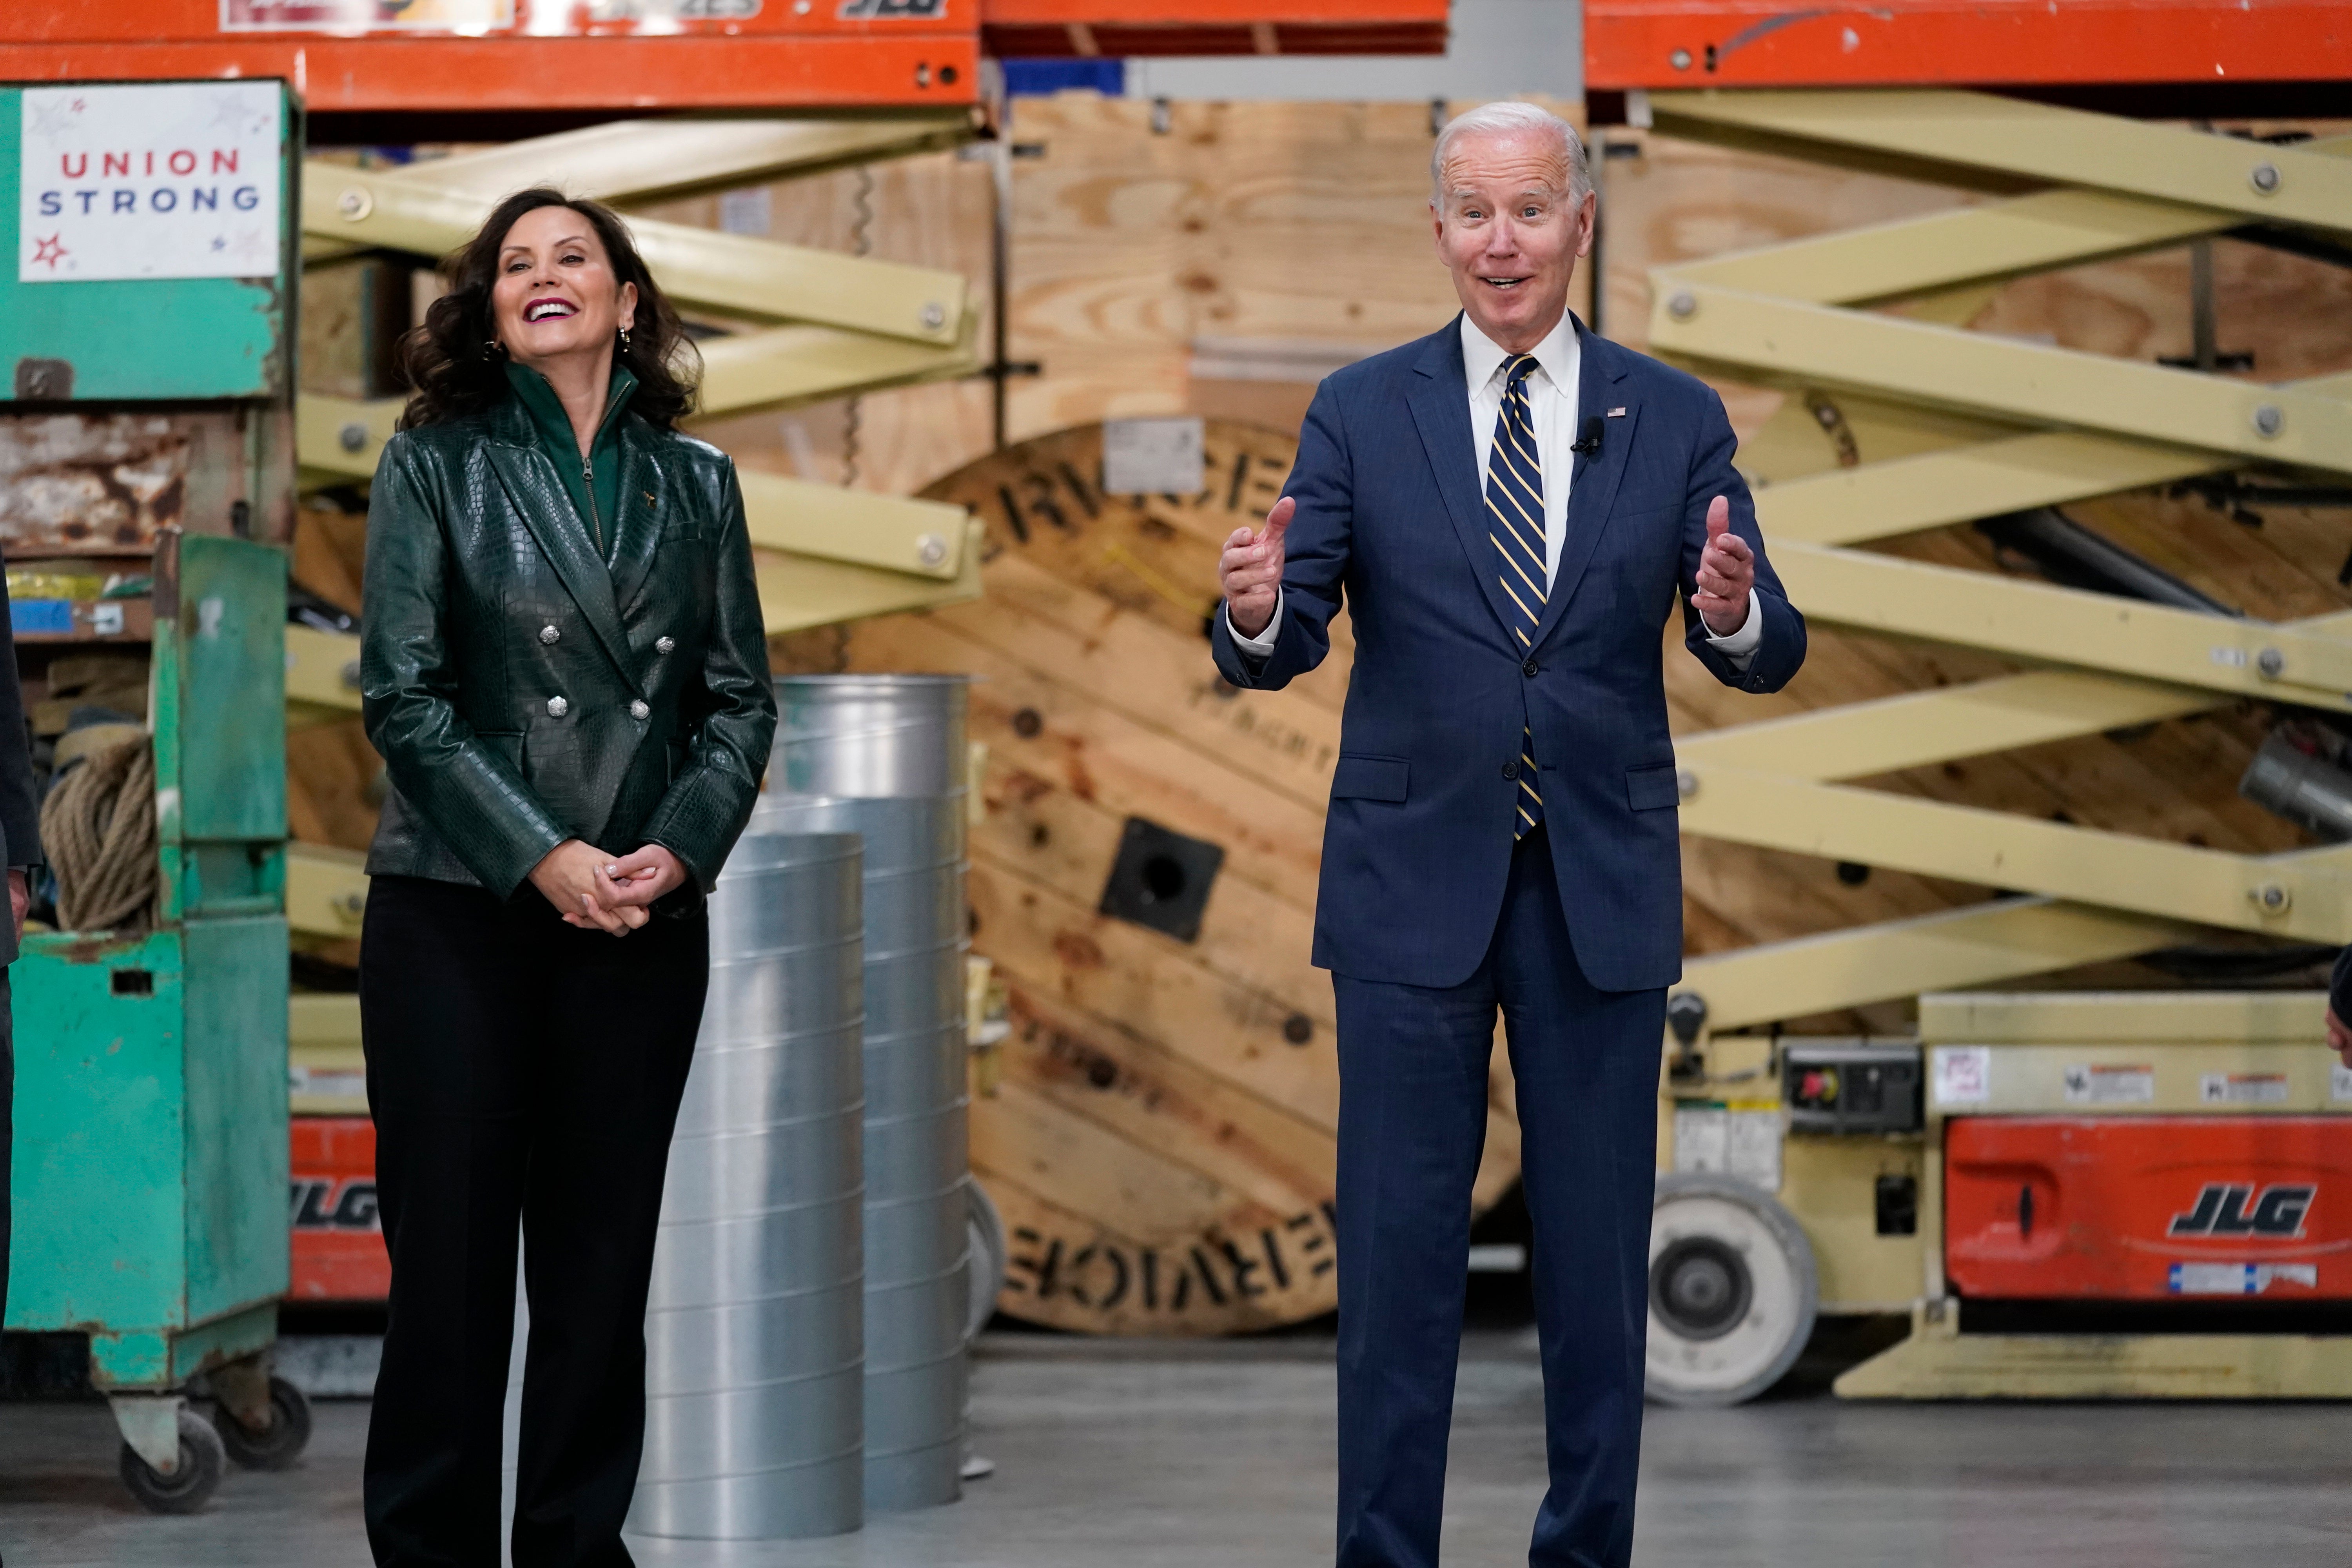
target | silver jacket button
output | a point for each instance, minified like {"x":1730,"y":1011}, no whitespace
{"x":549,"y":633}
{"x":638,"y":710}
{"x":664,"y":645}
{"x":557,"y":707}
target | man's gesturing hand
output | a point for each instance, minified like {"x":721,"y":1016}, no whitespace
{"x":1726,"y":570}
{"x":1250,"y":571}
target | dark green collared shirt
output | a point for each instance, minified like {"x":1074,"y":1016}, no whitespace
{"x":593,"y":483}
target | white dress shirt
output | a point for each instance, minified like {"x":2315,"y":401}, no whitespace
{"x":1551,"y":389}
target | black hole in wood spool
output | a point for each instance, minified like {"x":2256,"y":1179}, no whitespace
{"x":1038,"y":835}
{"x":1161,"y":880}
{"x":133,"y":982}
{"x":1852,"y":873}
{"x":1027,"y":723}
{"x":1298,"y":1028}
{"x":1102,"y":1072}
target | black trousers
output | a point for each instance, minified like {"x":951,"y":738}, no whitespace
{"x":8,"y":1128}
{"x":1412,"y":1120}
{"x":525,"y":1072}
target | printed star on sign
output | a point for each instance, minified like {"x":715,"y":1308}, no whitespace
{"x":49,"y":251}
{"x":235,"y":115}
{"x":53,"y":118}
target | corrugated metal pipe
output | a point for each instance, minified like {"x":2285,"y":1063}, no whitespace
{"x":754,"y":1425}
{"x":885,"y":757}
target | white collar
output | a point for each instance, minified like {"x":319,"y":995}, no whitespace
{"x":1560,"y":355}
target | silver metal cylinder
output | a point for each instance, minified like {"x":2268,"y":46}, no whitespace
{"x":754,"y":1384}
{"x":2306,"y":789}
{"x":885,"y":757}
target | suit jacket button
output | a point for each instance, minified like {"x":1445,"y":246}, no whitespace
{"x":638,"y":709}
{"x":1511,"y":769}
{"x":549,"y":635}
{"x":1529,"y":667}
{"x":557,"y":707}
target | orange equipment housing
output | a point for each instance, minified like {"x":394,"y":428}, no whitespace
{"x":337,"y":1240}
{"x":605,"y":57}
{"x":1668,"y":44}
{"x":2149,"y":1207}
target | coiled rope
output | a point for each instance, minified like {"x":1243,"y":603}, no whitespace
{"x":97,"y":827}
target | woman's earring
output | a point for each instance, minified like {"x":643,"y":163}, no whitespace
{"x":490,"y":348}
{"x":624,"y":339}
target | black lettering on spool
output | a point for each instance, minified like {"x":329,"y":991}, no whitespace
{"x":1117,"y":1292}
{"x":1208,"y":1276}
{"x":1273,"y":1245}
{"x":1244,"y":1268}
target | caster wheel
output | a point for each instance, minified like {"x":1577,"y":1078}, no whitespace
{"x":278,"y":1445}
{"x":191,"y":1481}
{"x":1732,"y":1291}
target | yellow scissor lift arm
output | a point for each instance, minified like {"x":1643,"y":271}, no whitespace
{"x":1973,"y":425}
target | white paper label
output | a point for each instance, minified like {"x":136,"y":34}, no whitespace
{"x":1742,"y":1143}
{"x":2239,"y":1278}
{"x":751,"y":211}
{"x":364,"y":15}
{"x":1153,"y":457}
{"x":329,"y":1083}
{"x":174,"y":180}
{"x":2096,"y":1083}
{"x":1963,"y":1073}
{"x":2242,"y":1088}
{"x":2339,"y":1081}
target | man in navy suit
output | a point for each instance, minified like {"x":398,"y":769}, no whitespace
{"x":1511,"y":508}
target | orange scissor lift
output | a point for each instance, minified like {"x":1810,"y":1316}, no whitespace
{"x":2168,"y":1172}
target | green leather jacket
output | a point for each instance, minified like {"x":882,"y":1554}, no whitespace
{"x":523,"y":691}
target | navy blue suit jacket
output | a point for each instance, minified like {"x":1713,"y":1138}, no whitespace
{"x":1417,"y":844}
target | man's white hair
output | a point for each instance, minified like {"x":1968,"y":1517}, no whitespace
{"x":1490,"y":119}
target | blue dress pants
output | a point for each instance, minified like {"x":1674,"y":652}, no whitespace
{"x":1412,"y":1119}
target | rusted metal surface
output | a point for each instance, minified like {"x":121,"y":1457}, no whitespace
{"x":94,"y":483}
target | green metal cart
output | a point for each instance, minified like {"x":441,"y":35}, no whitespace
{"x":148,"y":431}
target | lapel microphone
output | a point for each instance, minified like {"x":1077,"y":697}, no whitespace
{"x":1587,"y":441}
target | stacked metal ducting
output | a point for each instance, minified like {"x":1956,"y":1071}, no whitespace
{"x":884,"y":757}
{"x":754,"y":1425}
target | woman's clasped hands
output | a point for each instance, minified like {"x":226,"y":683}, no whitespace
{"x":597,"y":891}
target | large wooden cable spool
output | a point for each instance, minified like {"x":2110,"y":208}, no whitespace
{"x":1161,"y":1132}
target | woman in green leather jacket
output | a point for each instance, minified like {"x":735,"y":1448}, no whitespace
{"x":564,"y":668}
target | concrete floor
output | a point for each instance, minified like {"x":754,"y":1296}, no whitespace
{"x":1220,"y":1457}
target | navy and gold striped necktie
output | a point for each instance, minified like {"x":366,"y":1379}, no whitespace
{"x":1515,"y":521}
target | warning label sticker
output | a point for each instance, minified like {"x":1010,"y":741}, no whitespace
{"x":364,"y":15}
{"x":1963,"y":1073}
{"x":1731,"y":1141}
{"x":2242,"y":1088}
{"x":2239,"y":1278}
{"x":2101,"y":1083}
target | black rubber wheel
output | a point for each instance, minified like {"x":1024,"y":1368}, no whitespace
{"x":1733,"y":1291}
{"x":277,"y":1447}
{"x":188,"y":1487}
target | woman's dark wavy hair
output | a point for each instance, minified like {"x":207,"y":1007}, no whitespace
{"x":451,"y":371}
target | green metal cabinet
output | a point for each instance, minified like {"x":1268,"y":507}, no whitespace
{"x":150,"y":1172}
{"x":150,"y":1152}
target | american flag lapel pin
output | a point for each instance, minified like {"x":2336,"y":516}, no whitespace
{"x":1617,"y":411}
